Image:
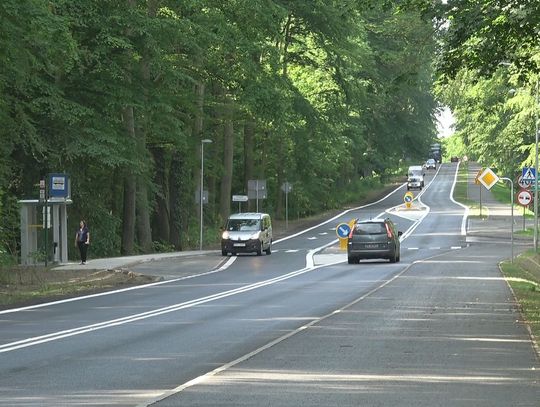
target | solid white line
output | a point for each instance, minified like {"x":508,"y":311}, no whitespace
{"x":340,"y":215}
{"x":413,"y":248}
{"x":139,"y":287}
{"x":466,"y":214}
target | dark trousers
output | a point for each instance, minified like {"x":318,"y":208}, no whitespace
{"x":83,"y":249}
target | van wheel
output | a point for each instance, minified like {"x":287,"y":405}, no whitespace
{"x":259,"y":249}
{"x":224,"y":252}
{"x":393,"y":258}
{"x":352,"y":260}
{"x":269,"y":250}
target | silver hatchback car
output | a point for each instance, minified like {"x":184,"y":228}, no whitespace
{"x":373,"y":239}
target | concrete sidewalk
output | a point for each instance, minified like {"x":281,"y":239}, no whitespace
{"x":113,"y":263}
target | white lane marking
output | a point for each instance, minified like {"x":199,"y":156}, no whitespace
{"x":205,"y":377}
{"x":413,"y":248}
{"x":323,"y":233}
{"x":466,"y":214}
{"x":340,"y":215}
{"x":292,"y":251}
{"x":455,"y":247}
{"x":24,"y":343}
{"x":312,"y":238}
{"x":435,"y":248}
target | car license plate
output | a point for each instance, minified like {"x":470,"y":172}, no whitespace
{"x":372,"y":246}
{"x":239,"y":245}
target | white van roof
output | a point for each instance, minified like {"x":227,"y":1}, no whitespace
{"x":248,"y":215}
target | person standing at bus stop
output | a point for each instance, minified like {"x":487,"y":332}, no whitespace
{"x":82,"y":240}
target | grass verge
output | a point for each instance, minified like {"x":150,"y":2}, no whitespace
{"x":30,"y":285}
{"x":524,"y":278}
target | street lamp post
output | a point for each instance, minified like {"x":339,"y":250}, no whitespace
{"x":535,"y":237}
{"x":511,"y":217}
{"x":536,"y":130}
{"x":201,"y":196}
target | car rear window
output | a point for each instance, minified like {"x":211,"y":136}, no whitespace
{"x":369,"y":229}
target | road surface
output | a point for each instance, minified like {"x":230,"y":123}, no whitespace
{"x":298,"y":327}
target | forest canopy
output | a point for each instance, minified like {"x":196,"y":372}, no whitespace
{"x":119,"y":94}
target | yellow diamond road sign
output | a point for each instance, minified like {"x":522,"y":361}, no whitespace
{"x":488,"y":178}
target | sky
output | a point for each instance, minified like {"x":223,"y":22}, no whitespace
{"x":445,"y":123}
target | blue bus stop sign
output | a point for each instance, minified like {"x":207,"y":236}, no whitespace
{"x":59,"y":186}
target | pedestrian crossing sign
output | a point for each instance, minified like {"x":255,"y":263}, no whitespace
{"x":528,"y":174}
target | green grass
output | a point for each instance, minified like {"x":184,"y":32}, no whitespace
{"x":461,"y":193}
{"x":524,"y":278}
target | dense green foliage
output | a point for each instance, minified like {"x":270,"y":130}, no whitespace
{"x":489,"y":69}
{"x":119,"y":95}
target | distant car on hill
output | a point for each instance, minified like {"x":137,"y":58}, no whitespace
{"x":431,"y":164}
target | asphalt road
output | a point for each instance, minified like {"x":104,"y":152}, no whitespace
{"x":298,"y":327}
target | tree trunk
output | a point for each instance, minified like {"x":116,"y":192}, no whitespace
{"x":128,"y":219}
{"x":228,"y":155}
{"x":144,"y":231}
{"x":162,"y":214}
{"x":180,"y":200}
{"x":249,"y":163}
{"x":198,"y":135}
{"x":281,"y":171}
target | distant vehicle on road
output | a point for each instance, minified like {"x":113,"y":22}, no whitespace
{"x":435,"y":152}
{"x":431,"y":164}
{"x":247,"y":233}
{"x":373,"y":239}
{"x":454,"y":159}
{"x":415,"y":177}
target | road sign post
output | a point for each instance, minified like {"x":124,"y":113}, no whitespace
{"x":286,"y":187}
{"x":477,"y":182}
{"x":511,"y":217}
{"x":342,"y":231}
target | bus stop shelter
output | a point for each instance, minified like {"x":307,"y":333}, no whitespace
{"x":36,"y":215}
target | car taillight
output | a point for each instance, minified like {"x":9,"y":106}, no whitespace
{"x":389,"y":231}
